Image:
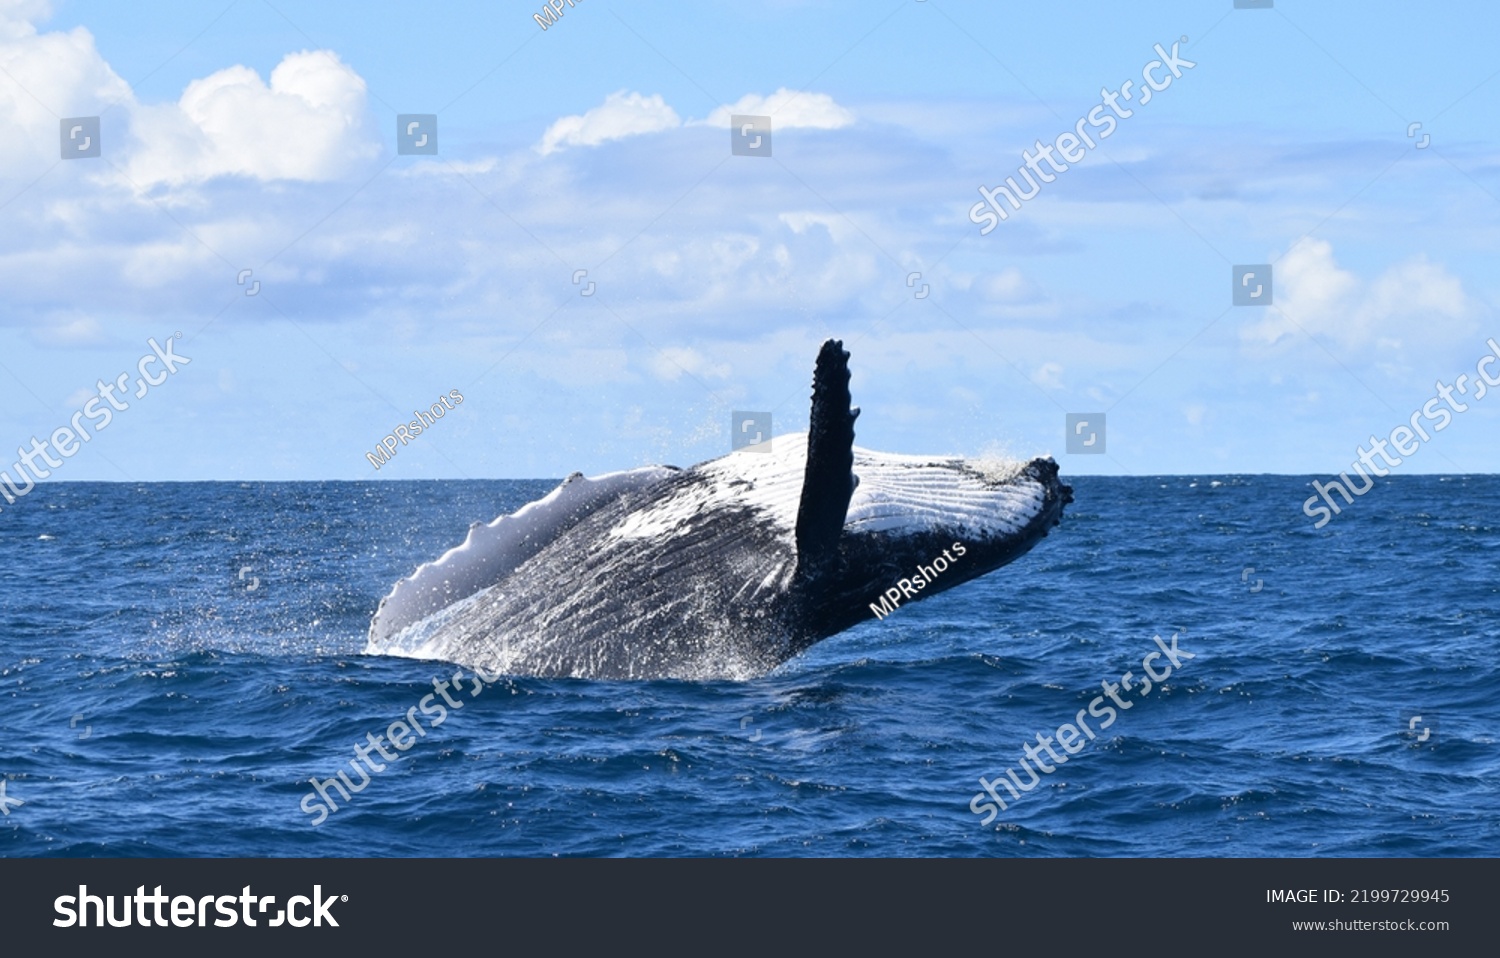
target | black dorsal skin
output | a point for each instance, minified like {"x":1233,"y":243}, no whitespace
{"x":829,"y":480}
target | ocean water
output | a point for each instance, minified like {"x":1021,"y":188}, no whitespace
{"x":177,"y":660}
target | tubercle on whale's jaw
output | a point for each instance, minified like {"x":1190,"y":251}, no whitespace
{"x":1044,"y":470}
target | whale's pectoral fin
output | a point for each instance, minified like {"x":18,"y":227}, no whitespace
{"x":829,"y":480}
{"x":494,"y":551}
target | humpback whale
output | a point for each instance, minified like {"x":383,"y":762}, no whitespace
{"x":722,"y":570}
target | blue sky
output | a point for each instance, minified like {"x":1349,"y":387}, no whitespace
{"x":262,"y":136}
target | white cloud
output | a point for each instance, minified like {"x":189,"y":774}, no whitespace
{"x":787,"y":109}
{"x":1048,"y":376}
{"x":50,"y":75}
{"x":620,"y":115}
{"x":670,"y":363}
{"x":1411,"y":289}
{"x":1413,"y":301}
{"x":1006,"y":286}
{"x":24,"y":10}
{"x":625,"y":114}
{"x":74,"y":330}
{"x":477,"y":167}
{"x":307,"y":124}
{"x":802,"y":221}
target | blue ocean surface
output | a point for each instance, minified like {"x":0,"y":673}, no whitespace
{"x":177,"y":660}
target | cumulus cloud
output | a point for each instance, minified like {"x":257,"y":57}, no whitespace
{"x":50,"y":75}
{"x":307,"y":124}
{"x":1415,"y":300}
{"x":620,"y":115}
{"x":787,"y":109}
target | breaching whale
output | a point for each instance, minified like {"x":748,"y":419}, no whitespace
{"x":722,"y":570}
